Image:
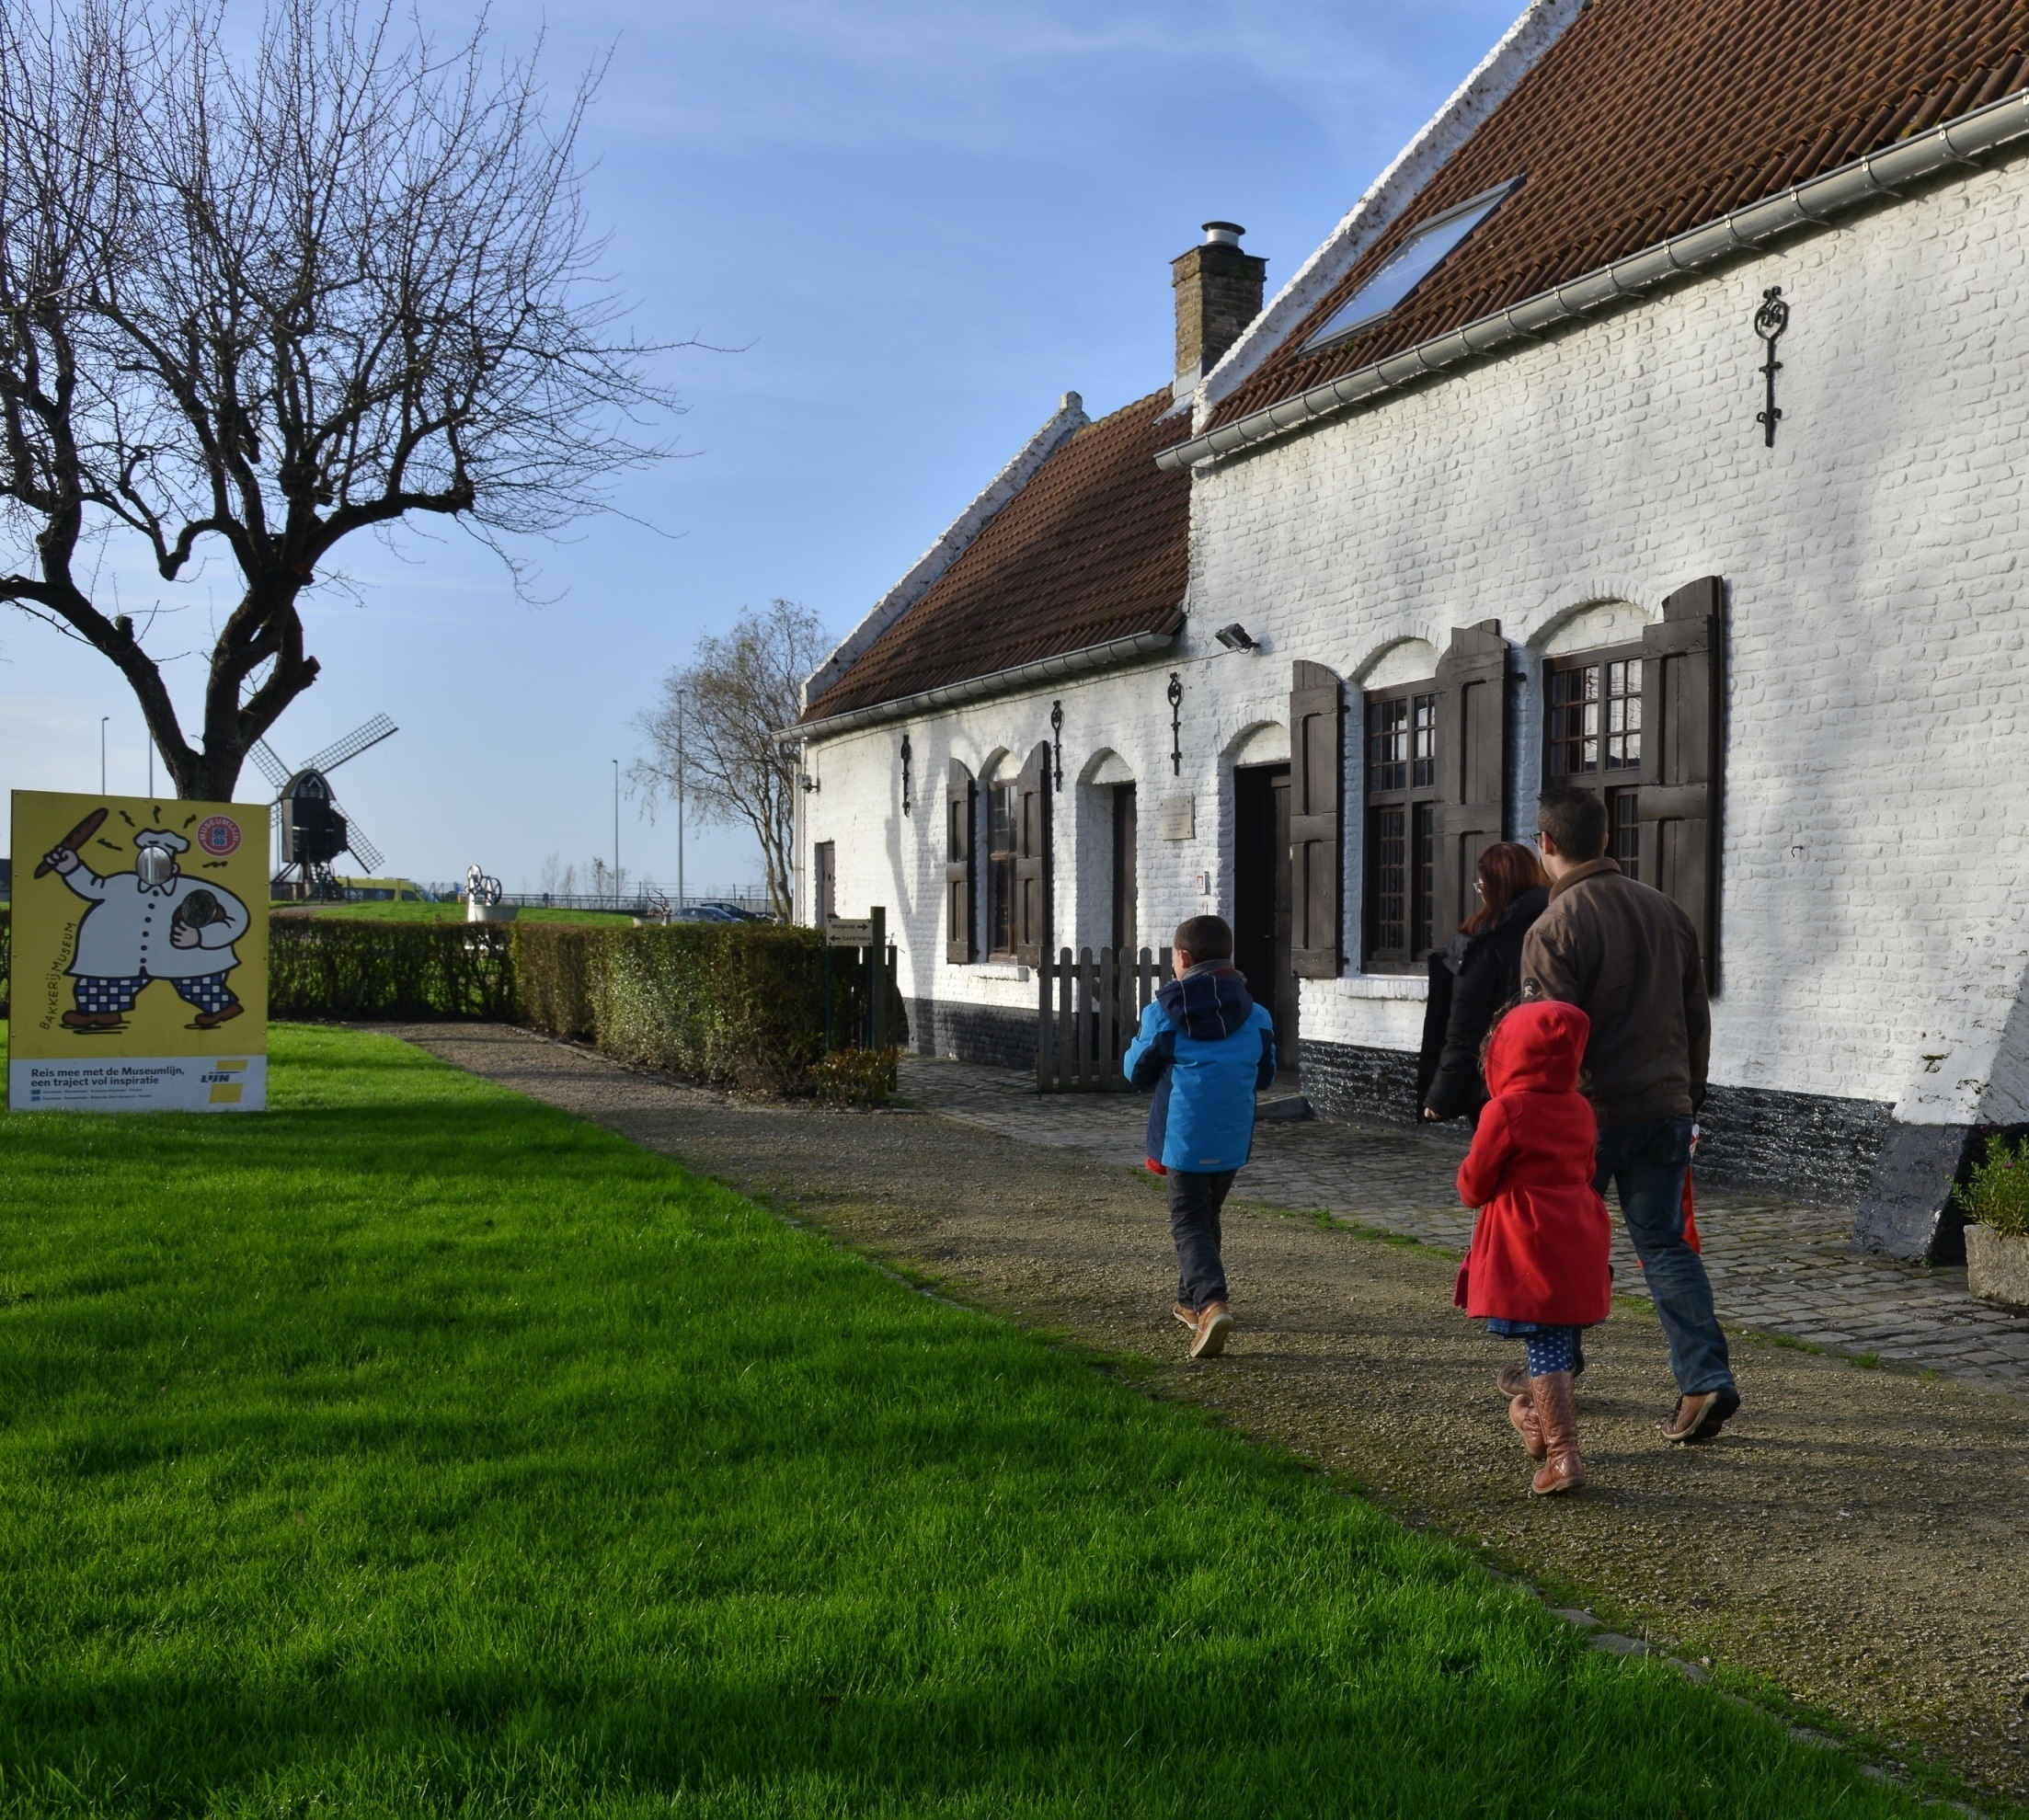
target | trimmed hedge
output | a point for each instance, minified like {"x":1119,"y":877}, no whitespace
{"x":335,"y":968}
{"x":740,"y":1004}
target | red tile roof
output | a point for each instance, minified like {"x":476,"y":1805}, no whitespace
{"x":1095,"y":547}
{"x":1648,"y":117}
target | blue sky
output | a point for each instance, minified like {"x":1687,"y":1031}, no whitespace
{"x":921,"y":223}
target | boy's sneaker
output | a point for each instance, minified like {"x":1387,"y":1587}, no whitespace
{"x":1214,"y":1323}
{"x":1188,"y":1316}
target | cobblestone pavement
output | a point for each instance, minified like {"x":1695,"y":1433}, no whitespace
{"x":1777,"y":1266}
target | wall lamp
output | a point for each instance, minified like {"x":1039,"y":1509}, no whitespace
{"x":907,"y":754}
{"x":1236,"y":637}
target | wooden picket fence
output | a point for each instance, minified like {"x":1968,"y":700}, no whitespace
{"x":1088,"y":1007}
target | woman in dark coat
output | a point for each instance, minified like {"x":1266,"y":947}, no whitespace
{"x":1483,"y":962}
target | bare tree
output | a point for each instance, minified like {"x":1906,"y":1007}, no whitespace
{"x":714,"y":730}
{"x":257,"y":304}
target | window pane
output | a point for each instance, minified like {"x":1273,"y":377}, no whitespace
{"x":1424,"y":897}
{"x":1387,"y":745}
{"x":1623,"y":829}
{"x":1424,"y":748}
{"x":1623,"y":746}
{"x":1420,"y":255}
{"x":1001,"y":905}
{"x":1574,"y":719}
{"x":1391,"y":881}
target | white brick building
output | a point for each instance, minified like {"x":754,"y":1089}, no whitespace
{"x":1559,"y":428}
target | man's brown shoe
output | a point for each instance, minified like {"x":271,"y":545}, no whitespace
{"x":91,"y":1019}
{"x":1700,"y":1417}
{"x":1188,"y":1316}
{"x":1214,"y":1323}
{"x":211,"y":1019}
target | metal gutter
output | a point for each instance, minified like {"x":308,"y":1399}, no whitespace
{"x":1809,"y":204}
{"x":997,"y":682}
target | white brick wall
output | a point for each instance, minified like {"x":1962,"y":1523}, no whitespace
{"x":1874,"y":921}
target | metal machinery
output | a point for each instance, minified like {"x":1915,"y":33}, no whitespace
{"x":309,"y":829}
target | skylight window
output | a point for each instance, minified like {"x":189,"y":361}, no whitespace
{"x":1419,"y":256}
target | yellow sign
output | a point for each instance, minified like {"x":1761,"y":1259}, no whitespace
{"x":140,"y":972}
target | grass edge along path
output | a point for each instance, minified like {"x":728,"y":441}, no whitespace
{"x":416,"y":1449}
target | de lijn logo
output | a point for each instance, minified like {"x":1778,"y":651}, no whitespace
{"x":218,"y":835}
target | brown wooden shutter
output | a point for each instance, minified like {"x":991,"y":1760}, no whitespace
{"x":1683,"y":751}
{"x":1472,"y":765}
{"x":1317,"y":772}
{"x":960,"y":810}
{"x":1032,"y":859}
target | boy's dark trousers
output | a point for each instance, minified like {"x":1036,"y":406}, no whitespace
{"x":1196,"y":1198}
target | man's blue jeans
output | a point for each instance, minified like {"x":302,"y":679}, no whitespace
{"x":1646,"y":1162}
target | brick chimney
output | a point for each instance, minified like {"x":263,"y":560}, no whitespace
{"x":1219,"y":293}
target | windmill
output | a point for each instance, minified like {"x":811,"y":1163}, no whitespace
{"x":309,"y":828}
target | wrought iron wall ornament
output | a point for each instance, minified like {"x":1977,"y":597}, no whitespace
{"x":1769,"y":321}
{"x":1057,"y":740}
{"x":908,"y":752}
{"x":1176,"y":724}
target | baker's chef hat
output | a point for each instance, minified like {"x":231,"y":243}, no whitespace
{"x":166,"y":838}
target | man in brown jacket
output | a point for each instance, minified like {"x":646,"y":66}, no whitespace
{"x":1627,"y":957}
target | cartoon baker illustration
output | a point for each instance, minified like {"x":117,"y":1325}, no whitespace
{"x":148,"y":924}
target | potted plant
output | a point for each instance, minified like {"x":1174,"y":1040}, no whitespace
{"x":1995,"y":1201}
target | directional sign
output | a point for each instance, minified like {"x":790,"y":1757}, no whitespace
{"x":846,"y":932}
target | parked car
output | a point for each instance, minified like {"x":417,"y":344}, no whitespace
{"x":384,"y":891}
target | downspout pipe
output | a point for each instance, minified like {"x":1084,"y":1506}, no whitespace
{"x":1823,"y":198}
{"x":998,"y":682}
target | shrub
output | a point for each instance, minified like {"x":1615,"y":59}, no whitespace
{"x":335,"y":968}
{"x":738,"y":1004}
{"x":1997,"y":1195}
{"x":553,"y":978}
{"x":857,"y":1077}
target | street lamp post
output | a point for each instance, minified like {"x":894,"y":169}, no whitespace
{"x":680,"y":802}
{"x":102,"y":720}
{"x":616,"y":834}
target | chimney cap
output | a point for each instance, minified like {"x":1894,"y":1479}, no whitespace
{"x":1223,"y":233}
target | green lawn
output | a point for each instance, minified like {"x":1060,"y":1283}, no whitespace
{"x":414,"y":1449}
{"x":393,"y":913}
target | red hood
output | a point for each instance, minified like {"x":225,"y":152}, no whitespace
{"x":1538,"y":1048}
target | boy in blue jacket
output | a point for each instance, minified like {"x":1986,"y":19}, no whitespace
{"x":1207,"y":1048}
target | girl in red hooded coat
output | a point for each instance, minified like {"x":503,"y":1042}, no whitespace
{"x":1537,"y":1269}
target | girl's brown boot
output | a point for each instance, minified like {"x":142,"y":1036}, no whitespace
{"x":1523,"y":1413}
{"x":1557,"y":1410}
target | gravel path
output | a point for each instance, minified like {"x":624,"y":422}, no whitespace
{"x":1853,"y":1539}
{"x":1777,"y":1265}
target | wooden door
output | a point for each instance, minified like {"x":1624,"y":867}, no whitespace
{"x":1265,"y":899}
{"x":824,"y":896}
{"x":1126,"y":872}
